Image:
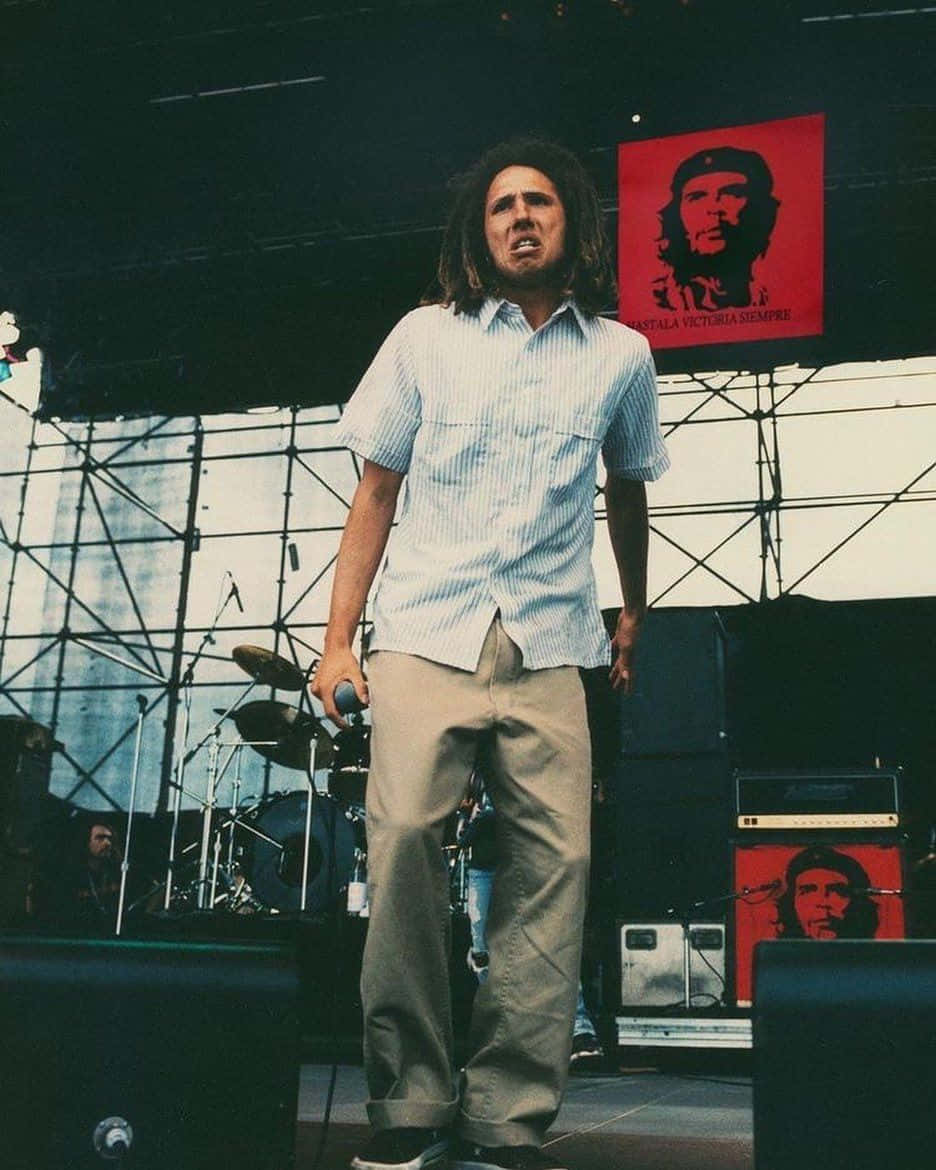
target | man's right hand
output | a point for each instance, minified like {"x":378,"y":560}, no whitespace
{"x":335,"y":667}
{"x":362,"y":548}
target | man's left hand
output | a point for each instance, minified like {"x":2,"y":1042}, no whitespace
{"x":623,"y":644}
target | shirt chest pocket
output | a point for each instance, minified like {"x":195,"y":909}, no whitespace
{"x":575,"y":441}
{"x":452,"y":445}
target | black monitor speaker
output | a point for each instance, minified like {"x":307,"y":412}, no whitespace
{"x":845,"y":1055}
{"x":147,"y":1055}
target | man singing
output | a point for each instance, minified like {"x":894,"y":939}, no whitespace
{"x":488,"y":408}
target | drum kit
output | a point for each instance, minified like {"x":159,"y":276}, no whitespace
{"x":296,"y":851}
{"x":290,"y":851}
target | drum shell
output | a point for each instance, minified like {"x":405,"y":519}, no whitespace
{"x":274,"y":870}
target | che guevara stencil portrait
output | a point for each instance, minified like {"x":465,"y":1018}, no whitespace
{"x":720,"y":234}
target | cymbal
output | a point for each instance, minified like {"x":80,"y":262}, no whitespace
{"x":292,"y":729}
{"x":267,"y":667}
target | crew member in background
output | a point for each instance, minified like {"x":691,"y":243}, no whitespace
{"x":488,"y":408}
{"x":78,"y":889}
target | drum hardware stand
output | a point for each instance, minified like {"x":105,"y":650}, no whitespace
{"x":233,"y":821}
{"x":215,"y":776}
{"x":235,"y":804}
{"x":310,"y":781}
{"x":303,"y":896}
{"x":208,"y":804}
{"x":231,"y":826}
{"x":125,"y":863}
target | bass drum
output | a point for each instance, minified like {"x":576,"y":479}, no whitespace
{"x":274,"y":871}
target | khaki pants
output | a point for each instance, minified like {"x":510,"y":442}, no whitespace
{"x":427,"y":722}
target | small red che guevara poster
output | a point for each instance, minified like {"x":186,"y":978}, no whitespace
{"x":813,"y":891}
{"x":720,"y":234}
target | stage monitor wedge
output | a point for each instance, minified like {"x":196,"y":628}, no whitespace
{"x":147,"y":1055}
{"x":844,"y":1055}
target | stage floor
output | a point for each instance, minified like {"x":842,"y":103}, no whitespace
{"x":641,"y":1119}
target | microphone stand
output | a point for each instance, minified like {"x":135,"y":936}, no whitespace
{"x":207,"y":812}
{"x":125,"y":863}
{"x":685,"y":915}
{"x":310,"y":781}
{"x":183,"y":757}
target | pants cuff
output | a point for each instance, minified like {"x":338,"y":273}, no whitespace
{"x":499,"y":1133}
{"x":393,"y":1114}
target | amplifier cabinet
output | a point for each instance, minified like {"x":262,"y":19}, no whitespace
{"x":653,"y":964}
{"x":814,"y":890}
{"x":817,"y":799}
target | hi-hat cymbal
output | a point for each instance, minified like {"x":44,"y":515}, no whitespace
{"x":269,"y":668}
{"x":292,"y":729}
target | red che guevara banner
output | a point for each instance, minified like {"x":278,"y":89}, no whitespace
{"x":720,"y":234}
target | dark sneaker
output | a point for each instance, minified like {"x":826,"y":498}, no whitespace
{"x":467,"y":1156}
{"x":587,"y":1053}
{"x":402,"y":1149}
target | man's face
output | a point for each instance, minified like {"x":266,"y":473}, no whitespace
{"x":820,"y":900}
{"x":710,"y":207}
{"x":524,"y":226}
{"x":101,"y":841}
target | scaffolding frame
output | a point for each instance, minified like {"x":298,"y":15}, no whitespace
{"x":157,"y":653}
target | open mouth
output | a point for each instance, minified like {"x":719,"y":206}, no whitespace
{"x":524,"y":245}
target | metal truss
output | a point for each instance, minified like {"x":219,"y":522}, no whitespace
{"x":155,"y":658}
{"x":128,"y":558}
{"x":762,"y":401}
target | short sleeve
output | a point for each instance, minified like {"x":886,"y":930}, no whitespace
{"x":383,"y":414}
{"x":633,"y":447}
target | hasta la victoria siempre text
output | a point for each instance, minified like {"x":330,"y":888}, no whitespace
{"x":694,"y":320}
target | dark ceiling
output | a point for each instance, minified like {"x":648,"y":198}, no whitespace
{"x":208,"y":205}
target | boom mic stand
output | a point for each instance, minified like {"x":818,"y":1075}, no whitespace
{"x":183,"y":757}
{"x":125,"y":863}
{"x":685,"y":916}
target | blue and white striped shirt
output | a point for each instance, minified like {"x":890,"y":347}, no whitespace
{"x":498,"y":429}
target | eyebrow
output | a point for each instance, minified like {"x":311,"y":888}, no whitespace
{"x":698,"y":193}
{"x":505,"y":200}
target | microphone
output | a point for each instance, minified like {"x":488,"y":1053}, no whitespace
{"x":235,"y":593}
{"x":764,"y":889}
{"x":346,"y":699}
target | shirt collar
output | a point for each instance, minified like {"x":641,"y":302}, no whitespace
{"x":491,"y":306}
